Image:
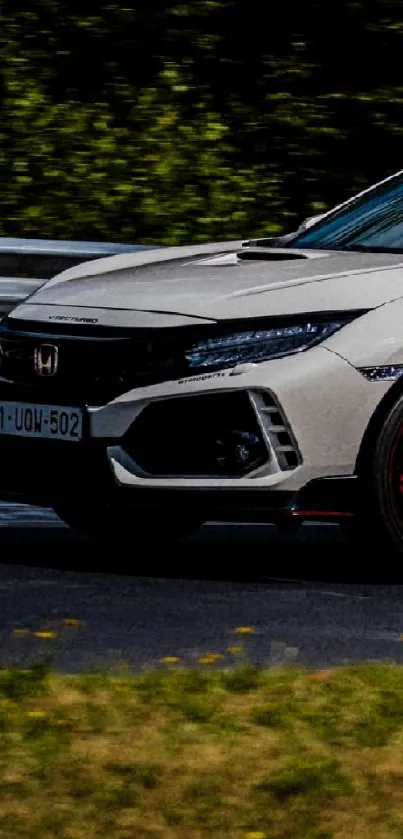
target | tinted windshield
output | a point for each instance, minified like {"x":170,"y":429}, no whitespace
{"x":373,"y":221}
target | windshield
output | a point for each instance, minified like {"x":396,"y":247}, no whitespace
{"x":373,"y":221}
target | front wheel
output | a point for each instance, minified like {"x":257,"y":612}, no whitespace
{"x":105,"y":524}
{"x":380,"y":524}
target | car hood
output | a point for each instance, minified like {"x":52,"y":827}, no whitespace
{"x":218,"y":282}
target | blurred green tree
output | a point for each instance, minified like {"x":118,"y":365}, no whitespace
{"x":207,"y":119}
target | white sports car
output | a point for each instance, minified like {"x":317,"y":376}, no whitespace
{"x":261,"y":380}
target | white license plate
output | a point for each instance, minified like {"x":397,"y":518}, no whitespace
{"x":24,"y":419}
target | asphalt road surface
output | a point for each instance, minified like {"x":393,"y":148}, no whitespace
{"x":305,"y":599}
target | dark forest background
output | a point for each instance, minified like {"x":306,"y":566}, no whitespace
{"x":176,"y":122}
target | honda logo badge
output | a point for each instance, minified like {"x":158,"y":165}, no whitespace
{"x":46,"y":360}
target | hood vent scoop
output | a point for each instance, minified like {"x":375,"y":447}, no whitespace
{"x":270,"y":254}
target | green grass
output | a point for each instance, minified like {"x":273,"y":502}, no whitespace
{"x":185,"y":754}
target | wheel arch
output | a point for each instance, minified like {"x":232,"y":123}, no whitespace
{"x":374,"y":426}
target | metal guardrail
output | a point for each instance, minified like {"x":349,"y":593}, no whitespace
{"x":14,"y":291}
{"x":64,"y":247}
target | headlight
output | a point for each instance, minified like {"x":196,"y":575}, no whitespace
{"x":260,"y":344}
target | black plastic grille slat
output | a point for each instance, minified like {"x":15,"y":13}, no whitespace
{"x":90,"y":371}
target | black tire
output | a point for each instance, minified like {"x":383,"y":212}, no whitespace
{"x":106,"y":524}
{"x":379,"y":526}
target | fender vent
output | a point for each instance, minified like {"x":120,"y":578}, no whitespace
{"x":277,"y":429}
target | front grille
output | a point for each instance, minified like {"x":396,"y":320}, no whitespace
{"x":91,"y":370}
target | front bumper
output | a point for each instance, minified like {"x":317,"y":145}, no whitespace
{"x":52,"y":474}
{"x":314,"y":405}
{"x":324,"y":406}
